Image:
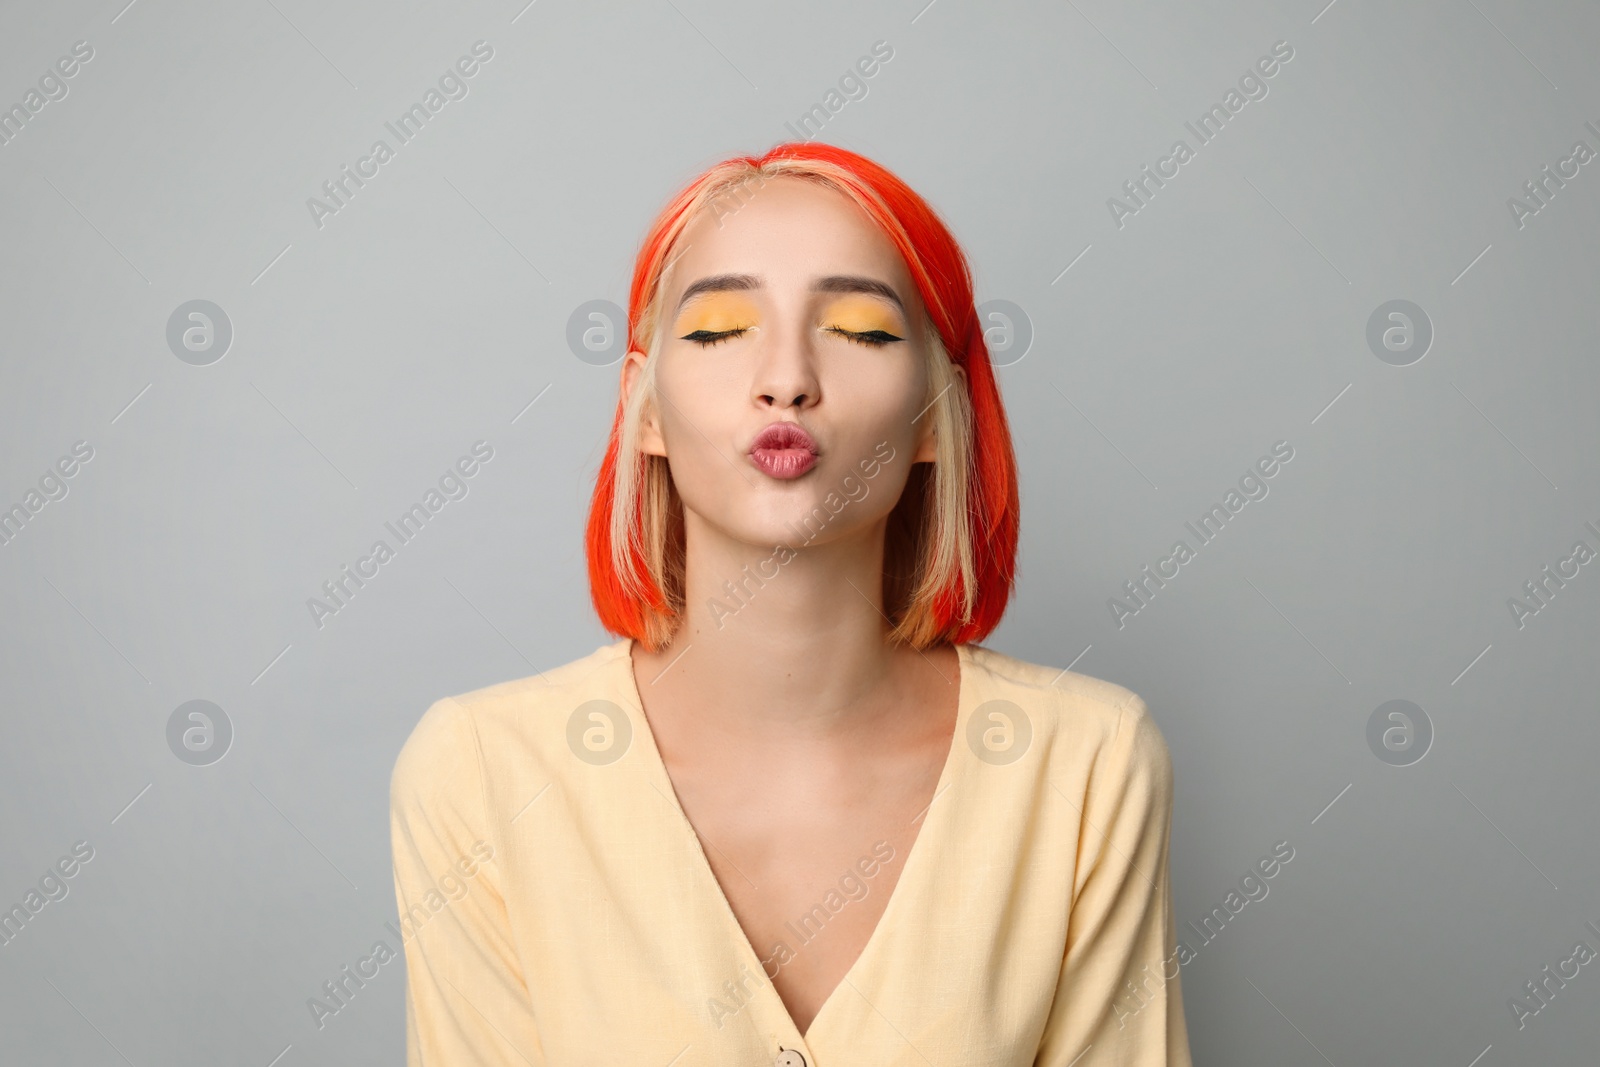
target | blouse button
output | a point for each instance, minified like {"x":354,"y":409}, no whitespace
{"x":789,"y":1058}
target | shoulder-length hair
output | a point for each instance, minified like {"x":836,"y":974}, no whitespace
{"x":951,"y":545}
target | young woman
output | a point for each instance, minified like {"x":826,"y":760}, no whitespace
{"x":796,"y":815}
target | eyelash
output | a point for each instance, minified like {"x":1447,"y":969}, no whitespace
{"x":870,"y":338}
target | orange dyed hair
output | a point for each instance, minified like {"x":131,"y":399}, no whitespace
{"x":950,"y":551}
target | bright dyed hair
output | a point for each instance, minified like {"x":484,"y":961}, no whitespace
{"x":951,"y":546}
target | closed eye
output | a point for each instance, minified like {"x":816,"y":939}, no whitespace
{"x":707,"y":338}
{"x":873,"y":338}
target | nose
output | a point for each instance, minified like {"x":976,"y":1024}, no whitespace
{"x":786,"y":372}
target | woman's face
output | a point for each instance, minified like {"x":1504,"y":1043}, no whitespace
{"x":795,"y":309}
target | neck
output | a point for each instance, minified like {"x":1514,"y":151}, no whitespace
{"x":780,"y":639}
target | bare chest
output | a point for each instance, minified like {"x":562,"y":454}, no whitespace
{"x":809,"y":871}
{"x":808,"y":839}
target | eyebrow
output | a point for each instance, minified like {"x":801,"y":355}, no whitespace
{"x":833,"y":283}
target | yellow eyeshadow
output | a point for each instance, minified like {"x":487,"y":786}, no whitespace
{"x":716,"y":312}
{"x":861,"y":315}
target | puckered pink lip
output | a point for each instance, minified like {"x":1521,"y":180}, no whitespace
{"x":784,"y":450}
{"x":782,"y":435}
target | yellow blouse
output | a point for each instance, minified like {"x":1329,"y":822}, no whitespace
{"x":557,"y":907}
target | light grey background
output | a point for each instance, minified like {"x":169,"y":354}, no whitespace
{"x":369,"y":354}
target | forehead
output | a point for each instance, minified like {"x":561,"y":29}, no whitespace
{"x":789,"y":232}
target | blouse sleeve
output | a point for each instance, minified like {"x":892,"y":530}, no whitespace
{"x":466,"y":1001}
{"x":1118,"y":1002}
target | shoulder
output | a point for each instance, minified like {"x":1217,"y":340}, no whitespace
{"x":589,"y":676}
{"x":1081,"y":721}
{"x":1080,"y":703}
{"x":449,"y":740}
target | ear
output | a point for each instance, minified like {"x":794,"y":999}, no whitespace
{"x":927,"y":443}
{"x":651,"y":443}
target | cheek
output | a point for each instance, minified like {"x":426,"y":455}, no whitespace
{"x":885,"y":394}
{"x":696,"y":401}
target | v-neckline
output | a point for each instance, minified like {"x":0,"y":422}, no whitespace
{"x":658,"y":770}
